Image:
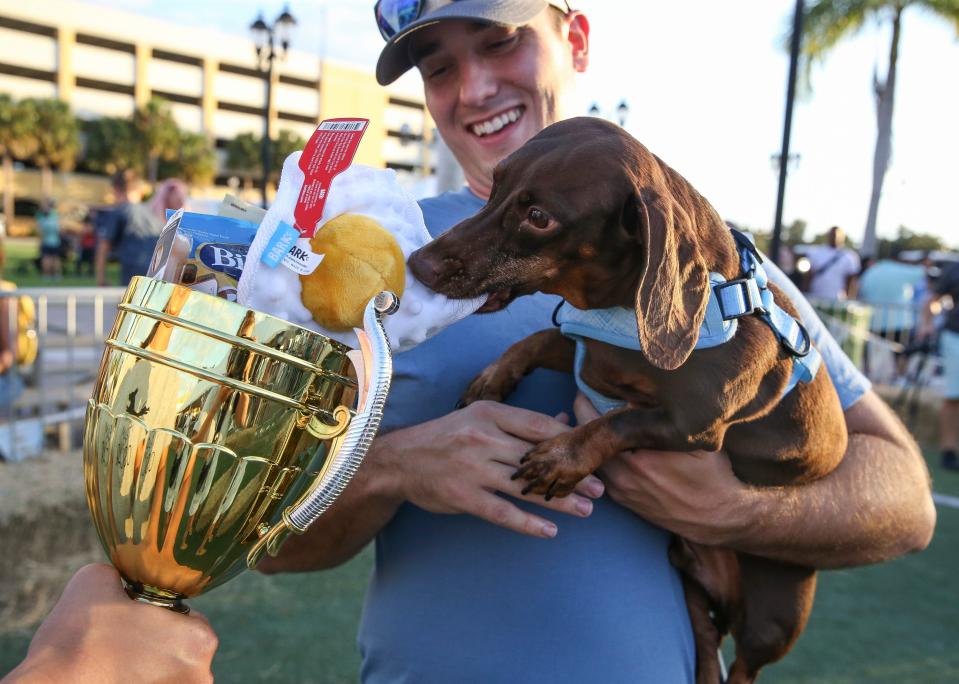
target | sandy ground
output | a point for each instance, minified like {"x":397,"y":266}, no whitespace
{"x":45,"y":533}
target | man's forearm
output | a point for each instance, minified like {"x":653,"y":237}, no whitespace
{"x":360,"y":512}
{"x":875,"y":506}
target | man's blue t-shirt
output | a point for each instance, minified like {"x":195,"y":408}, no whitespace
{"x":456,"y":599}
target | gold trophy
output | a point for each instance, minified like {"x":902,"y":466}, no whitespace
{"x":214,"y":431}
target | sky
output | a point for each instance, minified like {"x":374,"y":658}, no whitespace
{"x":705,"y":82}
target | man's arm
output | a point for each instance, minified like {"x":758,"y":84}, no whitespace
{"x":875,"y":506}
{"x":460,"y":463}
{"x":852,"y":286}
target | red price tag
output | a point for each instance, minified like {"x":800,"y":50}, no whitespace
{"x":328,"y":153}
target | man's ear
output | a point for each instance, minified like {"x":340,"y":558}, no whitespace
{"x":578,"y":37}
{"x":674,"y":287}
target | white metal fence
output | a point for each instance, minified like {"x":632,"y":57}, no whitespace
{"x":42,"y":406}
{"x":883,"y":342}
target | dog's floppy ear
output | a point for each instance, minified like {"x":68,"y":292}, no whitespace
{"x":674,"y":287}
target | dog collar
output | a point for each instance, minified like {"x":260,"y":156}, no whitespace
{"x":749,"y":295}
{"x":730,"y":300}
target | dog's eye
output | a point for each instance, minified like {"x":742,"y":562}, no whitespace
{"x":537,"y":218}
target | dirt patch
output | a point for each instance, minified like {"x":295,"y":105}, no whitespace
{"x":46,"y":534}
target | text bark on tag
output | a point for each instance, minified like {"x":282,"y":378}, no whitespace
{"x":301,"y":260}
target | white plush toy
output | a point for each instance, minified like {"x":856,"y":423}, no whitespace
{"x":361,"y":260}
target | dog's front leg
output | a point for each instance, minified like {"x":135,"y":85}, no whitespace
{"x":544,"y":349}
{"x":553,"y":467}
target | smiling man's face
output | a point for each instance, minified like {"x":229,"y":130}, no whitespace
{"x":491,"y":88}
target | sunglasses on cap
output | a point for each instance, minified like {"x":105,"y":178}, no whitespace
{"x":392,"y":16}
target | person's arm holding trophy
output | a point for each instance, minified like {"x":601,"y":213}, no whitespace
{"x":94,"y":628}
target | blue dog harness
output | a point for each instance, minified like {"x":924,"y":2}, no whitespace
{"x":748,"y":295}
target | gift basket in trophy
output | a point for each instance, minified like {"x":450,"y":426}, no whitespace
{"x":246,"y":377}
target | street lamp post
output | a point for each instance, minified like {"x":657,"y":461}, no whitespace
{"x":272,"y":44}
{"x":622,"y":112}
{"x":784,"y":156}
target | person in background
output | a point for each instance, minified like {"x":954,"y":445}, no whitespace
{"x":890,"y":287}
{"x":946,"y":285}
{"x":96,"y":634}
{"x":171,"y":194}
{"x":834,"y":268}
{"x":86,"y":245}
{"x":48,"y":226}
{"x":130,"y":230}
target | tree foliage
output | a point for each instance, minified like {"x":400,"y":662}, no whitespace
{"x":56,"y":138}
{"x":17,"y":124}
{"x":56,"y":134}
{"x":45,"y":132}
{"x":195,"y":162}
{"x":243,"y":156}
{"x":111,"y":144}
{"x":17,"y":141}
{"x":287,"y":143}
{"x":158,"y":133}
{"x":906,"y":240}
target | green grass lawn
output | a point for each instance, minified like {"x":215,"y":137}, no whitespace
{"x":892,"y":623}
{"x":21,"y":267}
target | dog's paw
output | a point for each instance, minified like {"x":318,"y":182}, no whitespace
{"x":494,"y":384}
{"x":552,"y":468}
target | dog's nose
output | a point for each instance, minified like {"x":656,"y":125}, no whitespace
{"x":427,"y":267}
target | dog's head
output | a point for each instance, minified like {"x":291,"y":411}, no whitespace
{"x":584,"y":211}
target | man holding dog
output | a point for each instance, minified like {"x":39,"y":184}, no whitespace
{"x":589,"y":594}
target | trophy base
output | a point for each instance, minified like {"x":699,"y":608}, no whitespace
{"x":156,"y":597}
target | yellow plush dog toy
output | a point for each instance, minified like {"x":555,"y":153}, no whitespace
{"x":360,"y":259}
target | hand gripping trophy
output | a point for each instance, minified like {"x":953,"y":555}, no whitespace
{"x":216,"y":428}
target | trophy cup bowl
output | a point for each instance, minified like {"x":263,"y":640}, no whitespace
{"x":214,"y":431}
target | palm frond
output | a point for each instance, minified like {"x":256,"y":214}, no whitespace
{"x":827,"y":22}
{"x":944,"y":9}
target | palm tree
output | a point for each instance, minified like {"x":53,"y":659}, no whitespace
{"x":286,"y":143}
{"x":243,"y":157}
{"x":111,"y":144}
{"x":195,"y":161}
{"x":57,"y":139}
{"x":17,"y":120}
{"x":826,"y":23}
{"x":159,"y":134}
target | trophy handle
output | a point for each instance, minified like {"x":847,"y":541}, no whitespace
{"x":378,"y":366}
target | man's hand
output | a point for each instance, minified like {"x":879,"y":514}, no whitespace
{"x":460,"y":462}
{"x":681,"y":491}
{"x":96,"y":633}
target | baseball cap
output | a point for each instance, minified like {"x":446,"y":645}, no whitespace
{"x":398,"y":19}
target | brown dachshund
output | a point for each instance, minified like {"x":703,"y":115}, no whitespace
{"x":585,"y":211}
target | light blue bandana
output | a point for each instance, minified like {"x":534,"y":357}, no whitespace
{"x":728,"y":301}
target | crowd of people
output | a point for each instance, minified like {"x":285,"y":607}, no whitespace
{"x":122,"y":230}
{"x":912,"y":303}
